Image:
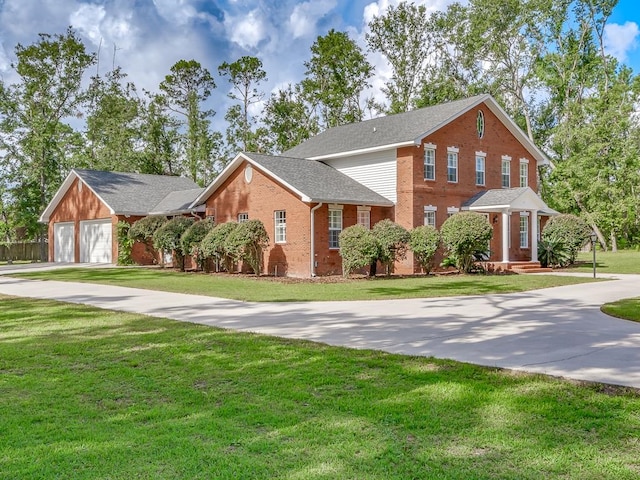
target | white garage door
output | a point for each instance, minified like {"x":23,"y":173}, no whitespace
{"x":63,"y":242}
{"x":95,"y":241}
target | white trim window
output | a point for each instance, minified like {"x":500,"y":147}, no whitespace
{"x":524,"y":172}
{"x":364,"y":217}
{"x":452,"y":165}
{"x":280,"y":226}
{"x":430,"y":215}
{"x":243,"y":217}
{"x":429,"y":162}
{"x":480,"y":168}
{"x":452,"y":211}
{"x":524,"y":229}
{"x":335,"y":227}
{"x":506,"y":171}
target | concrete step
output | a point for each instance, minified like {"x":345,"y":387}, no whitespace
{"x":531,"y":270}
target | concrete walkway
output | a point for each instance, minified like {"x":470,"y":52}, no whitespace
{"x":557,"y":331}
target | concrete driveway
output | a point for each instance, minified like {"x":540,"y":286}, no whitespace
{"x":557,"y":331}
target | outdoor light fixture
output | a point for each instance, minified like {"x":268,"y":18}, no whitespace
{"x":594,"y":240}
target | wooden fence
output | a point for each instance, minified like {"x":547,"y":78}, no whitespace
{"x":20,"y":251}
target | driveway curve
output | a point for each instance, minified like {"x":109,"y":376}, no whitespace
{"x":557,"y":331}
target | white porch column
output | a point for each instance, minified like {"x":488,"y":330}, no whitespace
{"x":505,"y":235}
{"x":533,"y":218}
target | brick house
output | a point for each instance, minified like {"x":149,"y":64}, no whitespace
{"x":84,"y":212}
{"x":414,"y":168}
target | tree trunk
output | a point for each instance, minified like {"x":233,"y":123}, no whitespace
{"x":614,"y":241}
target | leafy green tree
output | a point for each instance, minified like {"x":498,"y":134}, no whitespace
{"x":424,"y":243}
{"x":167,"y":237}
{"x":245,"y":74}
{"x":464,"y":235}
{"x":401,"y":35}
{"x":160,"y":138}
{"x":393,"y":240}
{"x":358,"y":248}
{"x":337,"y":75}
{"x":35,"y":135}
{"x":289,"y":118}
{"x":215,"y":246}
{"x":185,"y":89}
{"x":113,"y":125}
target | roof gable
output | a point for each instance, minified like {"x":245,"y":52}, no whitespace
{"x":126,"y":193}
{"x":522,"y":198}
{"x":310,"y":180}
{"x":402,"y":129}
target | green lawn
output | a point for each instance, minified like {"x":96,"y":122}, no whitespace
{"x":629,"y":309}
{"x":249,"y":288}
{"x":93,"y":394}
{"x":623,"y":261}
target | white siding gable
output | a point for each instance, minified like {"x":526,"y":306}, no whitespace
{"x":377,"y":171}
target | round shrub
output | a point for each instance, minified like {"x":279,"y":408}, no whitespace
{"x":424,"y":243}
{"x":213,"y":245}
{"x":393,"y":240}
{"x":570,"y":231}
{"x":358,"y":248}
{"x":192,"y":237}
{"x":553,"y":254}
{"x":247,"y":242}
{"x":143,"y":229}
{"x":167,"y":237}
{"x":466,"y":235}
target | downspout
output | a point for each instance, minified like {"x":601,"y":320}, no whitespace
{"x":313,"y":239}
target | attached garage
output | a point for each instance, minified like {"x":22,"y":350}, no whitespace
{"x":96,"y":241}
{"x":64,"y":241}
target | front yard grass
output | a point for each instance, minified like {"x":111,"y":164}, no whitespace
{"x":88,"y":393}
{"x":248,"y":288}
{"x":622,"y":261}
{"x":628,"y":309}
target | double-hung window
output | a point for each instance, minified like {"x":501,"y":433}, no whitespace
{"x":524,"y":230}
{"x":280,"y":226}
{"x":452,"y":165}
{"x":430,"y":215}
{"x":506,"y":172}
{"x":480,"y":168}
{"x":335,"y":227}
{"x":429,"y":162}
{"x":524,"y":172}
{"x":364,"y":217}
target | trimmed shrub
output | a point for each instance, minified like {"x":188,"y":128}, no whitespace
{"x":553,"y":254}
{"x":143,"y":229}
{"x":358,"y":248}
{"x":247,"y":242}
{"x":393,"y":240}
{"x":192,"y":237}
{"x":214,"y":245}
{"x":424,"y":243}
{"x":465,"y":236}
{"x":167,"y":237}
{"x":570,"y":231}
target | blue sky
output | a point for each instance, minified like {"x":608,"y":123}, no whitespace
{"x":148,"y":36}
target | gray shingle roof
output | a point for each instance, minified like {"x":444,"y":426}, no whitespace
{"x":177,"y":201}
{"x":378,"y":132}
{"x":498,"y":196}
{"x":137,"y":193}
{"x":317,"y":180}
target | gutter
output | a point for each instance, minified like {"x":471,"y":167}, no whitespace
{"x":313,"y":239}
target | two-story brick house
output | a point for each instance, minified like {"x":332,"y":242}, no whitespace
{"x":414,"y":168}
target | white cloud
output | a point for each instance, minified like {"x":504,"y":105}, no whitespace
{"x":86,"y":19}
{"x":246,"y":30}
{"x":620,"y":39}
{"x":304,"y":17}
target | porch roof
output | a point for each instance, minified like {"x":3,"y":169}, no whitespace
{"x":510,"y":199}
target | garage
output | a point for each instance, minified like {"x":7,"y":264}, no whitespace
{"x":64,"y":246}
{"x":95,"y":241}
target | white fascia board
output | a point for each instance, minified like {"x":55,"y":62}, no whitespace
{"x":337,"y":201}
{"x":362,"y":151}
